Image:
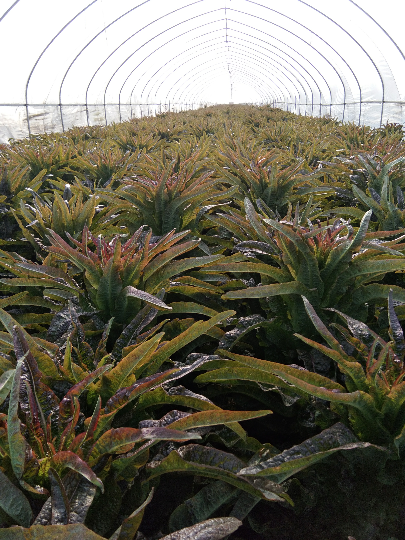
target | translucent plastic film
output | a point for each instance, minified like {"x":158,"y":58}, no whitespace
{"x":92,"y":62}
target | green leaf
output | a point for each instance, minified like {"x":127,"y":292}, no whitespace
{"x":109,"y":288}
{"x":115,"y":439}
{"x":200,"y":507}
{"x":130,"y":525}
{"x":146,"y":297}
{"x":197,"y":329}
{"x":6,"y":381}
{"x":264,"y":291}
{"x":45,"y":363}
{"x":207,"y":462}
{"x":116,"y":378}
{"x":16,"y":441}
{"x":213,"y":418}
{"x":283,"y":371}
{"x":301,"y":456}
{"x":211,"y":529}
{"x":53,"y":532}
{"x":13,"y":502}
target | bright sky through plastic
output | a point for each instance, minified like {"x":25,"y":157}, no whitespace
{"x":318,"y":56}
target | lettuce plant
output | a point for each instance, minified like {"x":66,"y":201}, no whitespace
{"x":165,"y":198}
{"x":117,"y":278}
{"x":331,"y":269}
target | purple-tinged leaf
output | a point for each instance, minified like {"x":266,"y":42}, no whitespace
{"x":125,"y":395}
{"x":66,"y":459}
{"x":118,"y":440}
{"x":44,"y":361}
{"x":119,"y":375}
{"x":66,"y":406}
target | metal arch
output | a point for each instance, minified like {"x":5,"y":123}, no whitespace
{"x":154,"y":37}
{"x":161,"y":46}
{"x":130,"y":37}
{"x":246,"y":47}
{"x":296,"y":52}
{"x":299,"y":37}
{"x":263,"y":92}
{"x":197,"y":67}
{"x":183,"y":52}
{"x":267,"y":89}
{"x":260,"y":63}
{"x":344,"y":88}
{"x":289,"y":31}
{"x":239,"y":78}
{"x":39,"y":58}
{"x":254,"y":37}
{"x":248,"y":78}
{"x":388,"y":36}
{"x":202,"y":73}
{"x":357,"y":43}
{"x":8,"y":10}
{"x":330,"y":46}
{"x":260,"y":83}
{"x":255,"y":56}
{"x":94,"y":38}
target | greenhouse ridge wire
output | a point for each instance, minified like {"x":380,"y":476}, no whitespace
{"x":275,"y":69}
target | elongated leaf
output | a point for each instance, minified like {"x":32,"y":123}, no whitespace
{"x":146,"y":297}
{"x":273,"y":367}
{"x":66,"y":406}
{"x":212,"y":418}
{"x":16,"y":441}
{"x":264,"y":291}
{"x":200,"y":507}
{"x":128,"y":394}
{"x":6,"y":381}
{"x":13,"y":502}
{"x":192,"y":333}
{"x":174,"y":268}
{"x":117,"y":377}
{"x":130,"y":525}
{"x":297,"y":458}
{"x":259,"y":268}
{"x":242,"y":374}
{"x":208,"y":462}
{"x":53,"y":532}
{"x":211,"y":529}
{"x":66,"y":459}
{"x":115,"y":439}
{"x":37,"y":346}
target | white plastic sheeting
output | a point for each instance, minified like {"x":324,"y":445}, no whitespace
{"x":88,"y":62}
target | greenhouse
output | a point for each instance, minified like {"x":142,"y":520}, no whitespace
{"x":105,"y":61}
{"x":202,"y":270}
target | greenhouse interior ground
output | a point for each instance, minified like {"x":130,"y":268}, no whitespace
{"x":202,"y":270}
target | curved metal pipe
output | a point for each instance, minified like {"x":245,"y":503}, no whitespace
{"x":228,"y":42}
{"x":203,"y":73}
{"x":256,"y":63}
